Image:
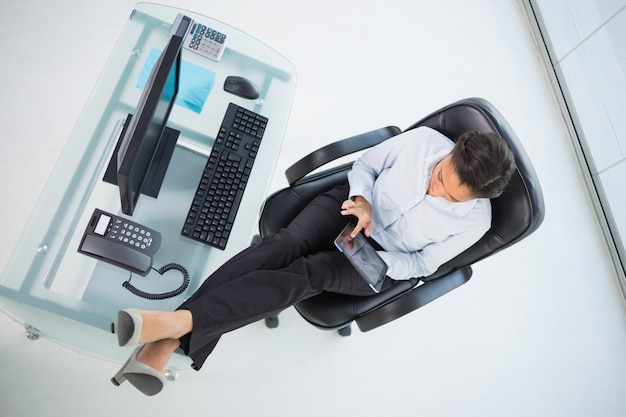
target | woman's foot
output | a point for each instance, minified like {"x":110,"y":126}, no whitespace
{"x":128,"y":327}
{"x":143,"y":377}
{"x":135,"y":326}
{"x":157,"y":354}
{"x":144,"y":369}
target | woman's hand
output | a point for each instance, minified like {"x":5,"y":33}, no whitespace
{"x":362,"y":209}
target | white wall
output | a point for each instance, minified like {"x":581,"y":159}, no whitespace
{"x":588,"y":45}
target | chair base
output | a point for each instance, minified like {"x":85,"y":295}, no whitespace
{"x":271,"y":322}
{"x":345,"y":331}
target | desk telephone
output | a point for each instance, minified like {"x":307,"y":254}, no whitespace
{"x":127,"y":245}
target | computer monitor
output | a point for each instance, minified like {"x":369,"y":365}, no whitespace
{"x":144,"y":131}
{"x":146,"y":145}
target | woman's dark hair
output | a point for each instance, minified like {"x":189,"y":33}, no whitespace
{"x":483,"y":162}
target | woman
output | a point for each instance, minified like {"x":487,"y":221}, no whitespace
{"x":418,"y":196}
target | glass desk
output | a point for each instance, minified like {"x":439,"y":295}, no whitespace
{"x":71,"y":298}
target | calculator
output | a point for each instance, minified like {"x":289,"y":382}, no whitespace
{"x":206,"y":41}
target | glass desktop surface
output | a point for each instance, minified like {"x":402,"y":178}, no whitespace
{"x":71,"y":298}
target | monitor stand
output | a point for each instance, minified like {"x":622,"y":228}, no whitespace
{"x":158,"y":167}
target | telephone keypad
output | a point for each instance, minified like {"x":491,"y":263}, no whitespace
{"x":129,"y":233}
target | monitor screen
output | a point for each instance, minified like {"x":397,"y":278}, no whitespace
{"x":143,"y":134}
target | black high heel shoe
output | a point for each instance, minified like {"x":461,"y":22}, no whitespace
{"x":146,"y":379}
{"x":128,"y":327}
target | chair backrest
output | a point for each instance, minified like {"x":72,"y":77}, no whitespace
{"x":520,"y":209}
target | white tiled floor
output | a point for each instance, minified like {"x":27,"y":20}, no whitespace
{"x":538,"y":331}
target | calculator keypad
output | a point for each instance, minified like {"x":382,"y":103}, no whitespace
{"x":206,"y":41}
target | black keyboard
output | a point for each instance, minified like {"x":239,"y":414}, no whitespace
{"x":216,"y":202}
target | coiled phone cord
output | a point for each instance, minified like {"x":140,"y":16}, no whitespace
{"x":164,"y":295}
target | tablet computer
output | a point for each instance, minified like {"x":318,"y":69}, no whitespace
{"x":363,"y":257}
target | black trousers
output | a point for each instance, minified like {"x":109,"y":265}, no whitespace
{"x":297,"y":263}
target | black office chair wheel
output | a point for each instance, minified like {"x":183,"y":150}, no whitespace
{"x":345,"y":331}
{"x":271,"y":322}
{"x":256,"y":239}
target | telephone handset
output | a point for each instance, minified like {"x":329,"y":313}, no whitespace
{"x":120,"y":242}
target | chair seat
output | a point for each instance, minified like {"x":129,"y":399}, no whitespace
{"x":333,"y":311}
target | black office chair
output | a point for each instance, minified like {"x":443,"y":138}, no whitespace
{"x":517,"y":213}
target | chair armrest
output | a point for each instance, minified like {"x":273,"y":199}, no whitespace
{"x":336,"y":150}
{"x":414,"y":299}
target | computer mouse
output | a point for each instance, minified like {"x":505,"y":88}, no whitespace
{"x":241,"y":87}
